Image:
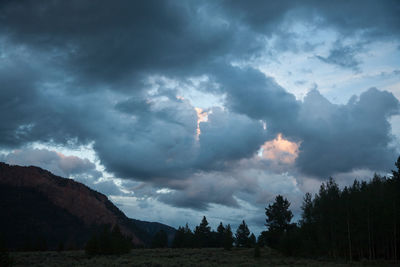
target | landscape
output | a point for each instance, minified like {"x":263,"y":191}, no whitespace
{"x":199,"y":133}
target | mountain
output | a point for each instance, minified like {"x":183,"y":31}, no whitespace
{"x":44,"y":210}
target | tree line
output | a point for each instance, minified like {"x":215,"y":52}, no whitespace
{"x":203,"y":236}
{"x":361,"y":221}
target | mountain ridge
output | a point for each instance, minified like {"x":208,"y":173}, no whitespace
{"x":67,"y":199}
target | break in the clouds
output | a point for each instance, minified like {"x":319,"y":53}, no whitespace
{"x":203,"y":104}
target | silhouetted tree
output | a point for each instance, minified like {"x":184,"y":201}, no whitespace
{"x":278,"y":220}
{"x":220,"y":235}
{"x":228,"y":238}
{"x":202,"y":233}
{"x":189,"y":237}
{"x":278,"y":215}
{"x":252,"y":241}
{"x":242,"y":235}
{"x":261,"y":240}
{"x":179,"y":238}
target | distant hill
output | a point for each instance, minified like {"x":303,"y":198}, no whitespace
{"x":39,"y":209}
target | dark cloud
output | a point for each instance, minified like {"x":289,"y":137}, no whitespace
{"x":349,"y":17}
{"x":80,"y":169}
{"x":226,"y":137}
{"x":341,"y":138}
{"x":250,"y":92}
{"x":77,"y":72}
{"x":55,"y":162}
{"x":18,"y":104}
{"x":202,"y":191}
{"x":120,"y":44}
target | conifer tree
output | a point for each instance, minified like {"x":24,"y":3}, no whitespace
{"x":228,"y":238}
{"x":179,"y":238}
{"x":278,"y":215}
{"x":220,"y":235}
{"x":189,"y":237}
{"x":278,"y":221}
{"x":252,"y":241}
{"x":242,"y":235}
{"x":202,"y":233}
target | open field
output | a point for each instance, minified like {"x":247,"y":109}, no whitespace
{"x":174,"y":257}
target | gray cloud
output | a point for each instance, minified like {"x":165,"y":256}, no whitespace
{"x":55,"y":162}
{"x":80,"y":169}
{"x":250,"y":92}
{"x":228,"y":136}
{"x":118,"y":44}
{"x":366,"y":17}
{"x":343,"y":56}
{"x":339,"y":138}
{"x":76,"y":72}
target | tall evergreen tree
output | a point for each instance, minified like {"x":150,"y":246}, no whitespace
{"x":228,"y":238}
{"x":202,"y":233}
{"x":252,"y":241}
{"x":278,"y":215}
{"x":189,"y":241}
{"x":220,"y":234}
{"x":242,"y":235}
{"x":278,"y":221}
{"x":179,"y":238}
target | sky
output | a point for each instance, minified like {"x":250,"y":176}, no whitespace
{"x":179,"y":109}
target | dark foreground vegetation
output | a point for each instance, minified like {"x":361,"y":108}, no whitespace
{"x":176,"y":257}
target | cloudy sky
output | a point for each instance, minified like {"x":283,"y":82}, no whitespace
{"x":179,"y":109}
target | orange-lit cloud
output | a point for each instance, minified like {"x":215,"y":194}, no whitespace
{"x":202,"y":116}
{"x":280,"y":150}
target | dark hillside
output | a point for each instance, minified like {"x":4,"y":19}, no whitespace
{"x":40,"y":207}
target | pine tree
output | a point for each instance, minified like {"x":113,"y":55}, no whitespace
{"x":220,"y":235}
{"x":278,"y":215}
{"x":202,"y":233}
{"x":228,"y":238}
{"x":252,"y":241}
{"x":189,"y":237}
{"x":179,"y":238}
{"x":242,"y":235}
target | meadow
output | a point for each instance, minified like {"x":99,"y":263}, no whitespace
{"x":176,"y":257}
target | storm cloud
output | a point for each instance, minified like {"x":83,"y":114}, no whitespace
{"x":55,"y":162}
{"x":121,"y":76}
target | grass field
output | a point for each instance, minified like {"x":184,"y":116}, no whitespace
{"x":174,"y":257}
